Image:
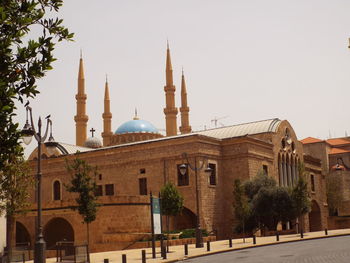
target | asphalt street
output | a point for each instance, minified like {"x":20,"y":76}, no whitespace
{"x":334,"y":249}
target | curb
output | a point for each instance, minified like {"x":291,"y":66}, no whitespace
{"x":253,"y":246}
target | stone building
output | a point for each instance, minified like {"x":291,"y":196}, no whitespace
{"x":137,"y":160}
{"x":335,"y":162}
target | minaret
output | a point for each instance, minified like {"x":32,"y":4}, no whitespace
{"x":81,"y":118}
{"x":185,"y":122}
{"x":170,"y":110}
{"x":107,"y":118}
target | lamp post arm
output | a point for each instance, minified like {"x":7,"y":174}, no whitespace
{"x":195,"y":168}
{"x":48,"y":123}
{"x":36,"y":136}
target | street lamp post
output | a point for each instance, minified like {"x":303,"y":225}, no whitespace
{"x":183,"y":169}
{"x":28,"y":132}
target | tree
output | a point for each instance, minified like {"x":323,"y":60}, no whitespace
{"x":300,"y":198}
{"x":172,"y":202}
{"x":83,"y":183}
{"x":241,"y":206}
{"x":24,"y":60}
{"x":267,"y":202}
{"x":15,"y":187}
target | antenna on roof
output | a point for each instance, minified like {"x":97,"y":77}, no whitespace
{"x":215,"y":120}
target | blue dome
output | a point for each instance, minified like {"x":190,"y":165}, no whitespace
{"x":135,"y":126}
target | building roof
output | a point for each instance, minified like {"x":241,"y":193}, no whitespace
{"x":338,"y":141}
{"x":93,"y":142}
{"x":136,"y":126}
{"x":66,"y":148}
{"x":338,"y":150}
{"x":243,"y":129}
{"x":310,"y":140}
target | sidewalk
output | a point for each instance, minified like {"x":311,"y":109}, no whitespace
{"x":177,"y":252}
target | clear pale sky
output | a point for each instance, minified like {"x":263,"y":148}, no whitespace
{"x":243,"y":60}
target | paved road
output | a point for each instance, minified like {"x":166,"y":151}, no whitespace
{"x":327,"y":250}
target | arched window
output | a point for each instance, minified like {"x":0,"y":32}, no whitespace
{"x":56,"y":190}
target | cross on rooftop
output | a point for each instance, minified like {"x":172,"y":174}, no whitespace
{"x":92,"y":131}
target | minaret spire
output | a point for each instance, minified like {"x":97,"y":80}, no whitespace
{"x":170,"y":110}
{"x":185,"y":122}
{"x":81,"y":118}
{"x":107,"y":118}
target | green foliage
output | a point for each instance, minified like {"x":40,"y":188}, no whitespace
{"x":260,"y":202}
{"x":261,"y":180}
{"x":15,"y":186}
{"x":241,"y":205}
{"x":300,"y":197}
{"x":172,"y":200}
{"x":191,"y":232}
{"x":84,"y":185}
{"x":25,"y":56}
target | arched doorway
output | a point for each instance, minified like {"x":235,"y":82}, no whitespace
{"x":57,"y":229}
{"x":187,"y":219}
{"x":315,"y":217}
{"x":22,"y":235}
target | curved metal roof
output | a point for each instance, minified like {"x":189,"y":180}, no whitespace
{"x":243,"y":129}
{"x":71,"y":149}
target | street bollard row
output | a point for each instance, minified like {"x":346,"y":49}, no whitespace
{"x":164,"y":251}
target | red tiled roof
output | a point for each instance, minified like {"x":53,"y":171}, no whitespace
{"x":310,"y":140}
{"x":338,"y":141}
{"x":338,"y":150}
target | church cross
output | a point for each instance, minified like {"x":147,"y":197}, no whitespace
{"x":92,"y":131}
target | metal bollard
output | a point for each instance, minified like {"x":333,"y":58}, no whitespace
{"x":277,"y":236}
{"x":208,"y":245}
{"x":301,"y":233}
{"x":254,"y":239}
{"x":326,"y":232}
{"x":164,"y":252}
{"x":143,"y":256}
{"x":230,"y":242}
{"x":23,"y":258}
{"x":124,"y":258}
{"x":186,"y":249}
{"x":106,"y":260}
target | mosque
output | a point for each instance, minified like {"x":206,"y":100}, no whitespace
{"x":137,"y":159}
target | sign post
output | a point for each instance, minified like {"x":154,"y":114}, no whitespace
{"x":156,"y":221}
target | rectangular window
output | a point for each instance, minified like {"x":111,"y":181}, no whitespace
{"x":312,"y":183}
{"x":109,"y":189}
{"x":143,"y":186}
{"x":266,"y":170}
{"x":212,"y":177}
{"x":99,"y":190}
{"x":142,"y":171}
{"x":182,"y":179}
